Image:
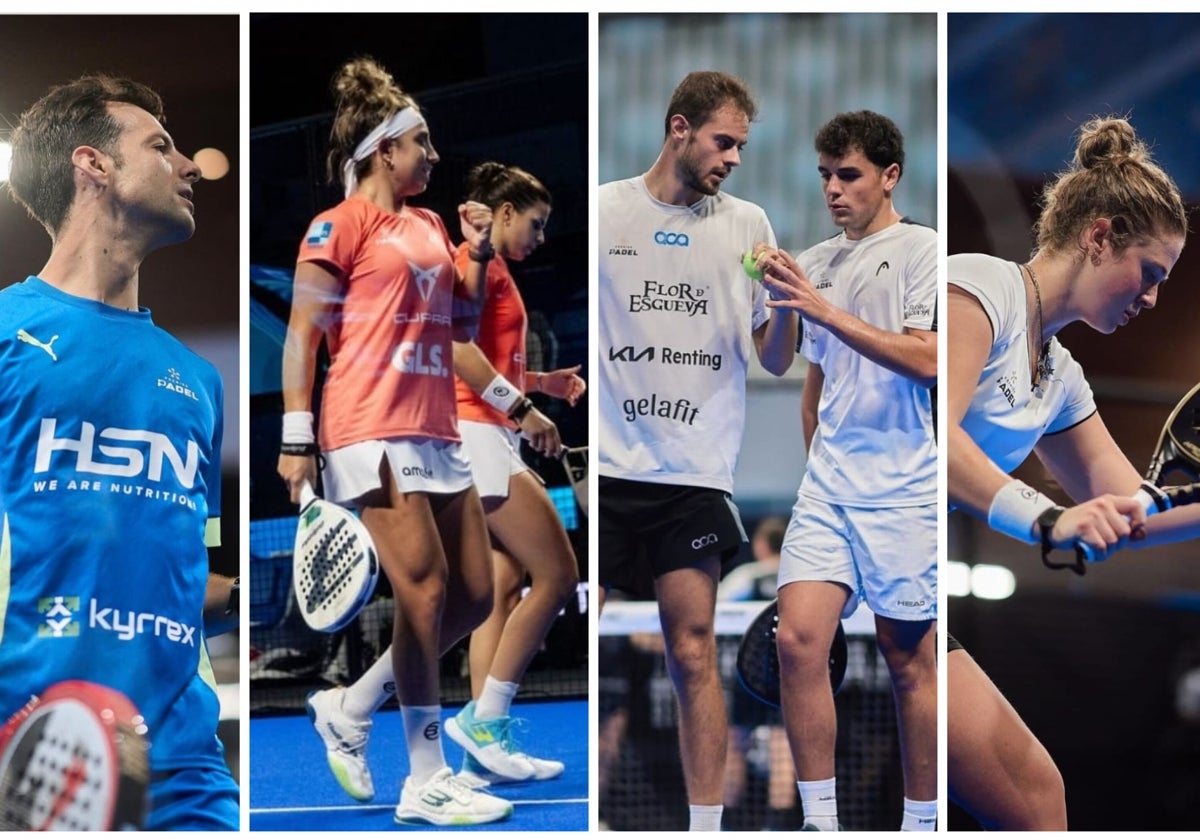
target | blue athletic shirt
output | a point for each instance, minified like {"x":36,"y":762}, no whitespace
{"x":110,"y":440}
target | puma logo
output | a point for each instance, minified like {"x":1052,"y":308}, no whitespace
{"x":28,"y":339}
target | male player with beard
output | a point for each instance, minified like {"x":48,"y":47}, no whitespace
{"x":110,"y":446}
{"x":679,"y":320}
{"x":864,"y":526}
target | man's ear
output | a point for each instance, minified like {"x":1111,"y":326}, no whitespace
{"x":92,"y":164}
{"x":679,"y":127}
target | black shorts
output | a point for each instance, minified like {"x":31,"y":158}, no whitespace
{"x":952,"y":644}
{"x":647,"y":530}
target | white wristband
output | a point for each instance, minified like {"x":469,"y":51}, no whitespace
{"x":298,"y":427}
{"x":501,"y":394}
{"x":1015,"y":510}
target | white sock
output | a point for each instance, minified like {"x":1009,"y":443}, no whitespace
{"x":495,"y":700}
{"x":919,"y":816}
{"x":819,"y":800}
{"x":423,"y":733}
{"x":370,"y":691}
{"x":705,"y":817}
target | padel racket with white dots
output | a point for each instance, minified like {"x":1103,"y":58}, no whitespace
{"x":334,"y":563}
{"x":74,"y":758}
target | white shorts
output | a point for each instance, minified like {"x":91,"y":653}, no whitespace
{"x":885,"y":556}
{"x":495,"y":455}
{"x":419,"y":465}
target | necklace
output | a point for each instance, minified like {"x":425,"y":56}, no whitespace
{"x":1042,"y":369}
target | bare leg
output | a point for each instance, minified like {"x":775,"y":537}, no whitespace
{"x":997,"y":769}
{"x":528,"y":527}
{"x":410,"y":552}
{"x":808,"y":619}
{"x":507,"y":576}
{"x":686,"y":601}
{"x":908,"y":648}
{"x":463,"y":532}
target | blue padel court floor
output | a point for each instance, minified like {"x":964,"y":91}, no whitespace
{"x":291,"y":788}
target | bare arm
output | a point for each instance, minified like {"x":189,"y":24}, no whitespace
{"x":475,"y":222}
{"x":810,"y":401}
{"x":1087,"y":462}
{"x":313,"y":294}
{"x":974,"y":479}
{"x":911,"y":354}
{"x":564,"y":383}
{"x":216,"y":602}
{"x":775,"y":341}
{"x":474,"y":368}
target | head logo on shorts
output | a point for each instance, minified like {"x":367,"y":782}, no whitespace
{"x":58,"y":611}
{"x":663,"y":237}
{"x":318,"y":234}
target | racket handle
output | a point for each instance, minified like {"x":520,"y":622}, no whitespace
{"x":1149,"y":498}
{"x":306,"y":495}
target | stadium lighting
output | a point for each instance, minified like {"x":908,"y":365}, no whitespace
{"x":213,"y":164}
{"x":957,"y":579}
{"x":992,"y":583}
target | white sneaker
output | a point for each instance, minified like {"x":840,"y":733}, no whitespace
{"x":475,"y":775}
{"x":345,"y":742}
{"x":545,"y":768}
{"x":490,"y":743}
{"x":444,"y":800}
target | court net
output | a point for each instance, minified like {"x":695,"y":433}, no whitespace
{"x":641,"y":780}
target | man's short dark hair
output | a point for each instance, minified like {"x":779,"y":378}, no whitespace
{"x":69,"y":116}
{"x":874,"y":134}
{"x":705,"y":91}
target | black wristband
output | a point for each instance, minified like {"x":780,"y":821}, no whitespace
{"x":517,"y":412}
{"x":481,"y":256}
{"x":299,"y":449}
{"x":234,"y":597}
{"x":1046,"y":525}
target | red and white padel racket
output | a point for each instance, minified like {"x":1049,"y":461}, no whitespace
{"x":74,"y":758}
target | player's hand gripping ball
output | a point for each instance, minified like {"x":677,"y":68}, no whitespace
{"x":748,"y":266}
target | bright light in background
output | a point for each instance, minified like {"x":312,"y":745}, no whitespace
{"x":957,"y":579}
{"x":213,"y":163}
{"x":5,"y":161}
{"x":992,"y":583}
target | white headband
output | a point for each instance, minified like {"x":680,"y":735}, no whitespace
{"x":398,"y":123}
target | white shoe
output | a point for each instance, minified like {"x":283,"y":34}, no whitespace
{"x":445,"y":800}
{"x":490,"y":743}
{"x":345,"y":742}
{"x":545,"y":768}
{"x":475,"y":775}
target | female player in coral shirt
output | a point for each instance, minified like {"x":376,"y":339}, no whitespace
{"x":527,"y":534}
{"x":377,"y":278}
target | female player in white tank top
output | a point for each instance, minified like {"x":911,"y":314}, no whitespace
{"x":1111,"y":229}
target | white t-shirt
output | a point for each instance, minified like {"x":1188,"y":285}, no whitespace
{"x":1007,"y":415}
{"x":676,"y":316}
{"x":874,"y":445}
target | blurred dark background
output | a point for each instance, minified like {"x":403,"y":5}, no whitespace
{"x":505,"y":87}
{"x":1105,"y":669}
{"x":193,"y":61}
